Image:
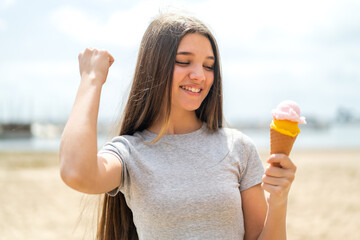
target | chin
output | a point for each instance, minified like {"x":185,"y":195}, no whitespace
{"x":191,"y":108}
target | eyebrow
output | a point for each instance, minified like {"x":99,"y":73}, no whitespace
{"x":191,"y":54}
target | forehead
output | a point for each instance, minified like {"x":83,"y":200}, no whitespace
{"x":197,"y":44}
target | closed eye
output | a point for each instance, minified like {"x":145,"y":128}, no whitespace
{"x":210,"y":68}
{"x":181,"y":63}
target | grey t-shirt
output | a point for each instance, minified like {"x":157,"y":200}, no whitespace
{"x":187,"y":186}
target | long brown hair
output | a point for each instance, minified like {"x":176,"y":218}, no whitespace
{"x":152,"y":79}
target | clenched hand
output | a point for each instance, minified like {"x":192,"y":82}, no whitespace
{"x":94,"y":65}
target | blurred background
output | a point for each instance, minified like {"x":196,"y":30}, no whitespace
{"x":306,"y":51}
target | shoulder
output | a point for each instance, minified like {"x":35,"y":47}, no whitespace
{"x":239,"y":142}
{"x":135,"y":142}
{"x":127,"y":141}
{"x":237,"y":136}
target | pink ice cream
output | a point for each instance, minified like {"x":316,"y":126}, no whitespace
{"x":288,"y":110}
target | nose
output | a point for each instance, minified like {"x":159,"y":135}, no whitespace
{"x":197,"y":73}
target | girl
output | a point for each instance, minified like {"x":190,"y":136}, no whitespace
{"x":174,"y":171}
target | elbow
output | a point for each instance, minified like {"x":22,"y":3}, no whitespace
{"x":70,"y":177}
{"x":76,"y":170}
{"x":73,"y":177}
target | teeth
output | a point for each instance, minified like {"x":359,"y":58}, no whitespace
{"x":194,"y":90}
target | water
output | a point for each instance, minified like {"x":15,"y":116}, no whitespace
{"x":30,"y":144}
{"x":37,"y":144}
{"x":336,"y":137}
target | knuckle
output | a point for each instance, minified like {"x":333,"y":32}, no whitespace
{"x":264,"y":177}
{"x":277,"y":191}
{"x":292,"y":177}
{"x":286,"y":184}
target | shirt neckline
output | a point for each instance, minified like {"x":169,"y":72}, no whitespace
{"x":149,"y":135}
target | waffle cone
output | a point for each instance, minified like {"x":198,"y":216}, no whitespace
{"x":280,"y":143}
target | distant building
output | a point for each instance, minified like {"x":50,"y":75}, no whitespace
{"x":15,"y":130}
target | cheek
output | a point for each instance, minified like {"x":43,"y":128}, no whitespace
{"x":178,"y":74}
{"x":175,"y":79}
{"x":210,"y":80}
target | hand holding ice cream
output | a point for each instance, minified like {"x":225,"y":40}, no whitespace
{"x":283,"y":132}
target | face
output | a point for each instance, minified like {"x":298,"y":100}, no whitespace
{"x":193,"y":73}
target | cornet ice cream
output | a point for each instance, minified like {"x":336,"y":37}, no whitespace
{"x":284,"y":127}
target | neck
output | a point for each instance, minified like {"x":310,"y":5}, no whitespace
{"x":179,"y":123}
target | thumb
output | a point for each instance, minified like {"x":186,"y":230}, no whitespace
{"x":281,"y":160}
{"x":111,"y":60}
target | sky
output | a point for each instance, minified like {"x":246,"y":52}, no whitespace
{"x":306,"y":51}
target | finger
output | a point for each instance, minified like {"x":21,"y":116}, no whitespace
{"x":275,"y":191}
{"x":284,"y":182}
{"x":111,"y":60}
{"x":106,"y":55}
{"x":80,"y":56}
{"x":272,"y":189}
{"x":88,"y":50}
{"x":275,"y":160}
{"x":272,"y":171}
{"x":281,"y":159}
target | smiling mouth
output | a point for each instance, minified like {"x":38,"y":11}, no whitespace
{"x":191,"y":89}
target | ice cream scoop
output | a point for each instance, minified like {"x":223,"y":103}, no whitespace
{"x":288,"y":110}
{"x":284,"y":127}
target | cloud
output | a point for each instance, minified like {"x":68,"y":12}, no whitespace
{"x":122,"y":28}
{"x":47,"y":89}
{"x":3,"y":25}
{"x":4,"y":4}
{"x":33,"y":77}
{"x":235,"y":23}
{"x":39,"y":69}
{"x":245,"y":21}
{"x":303,"y":45}
{"x":28,"y":86}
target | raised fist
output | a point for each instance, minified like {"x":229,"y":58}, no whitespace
{"x":94,"y":65}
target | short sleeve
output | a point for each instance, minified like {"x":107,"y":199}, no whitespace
{"x":119,"y":147}
{"x":253,"y":168}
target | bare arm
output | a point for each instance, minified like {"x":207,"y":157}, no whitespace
{"x":80,"y":167}
{"x":254,"y":209}
{"x":277,"y":181}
